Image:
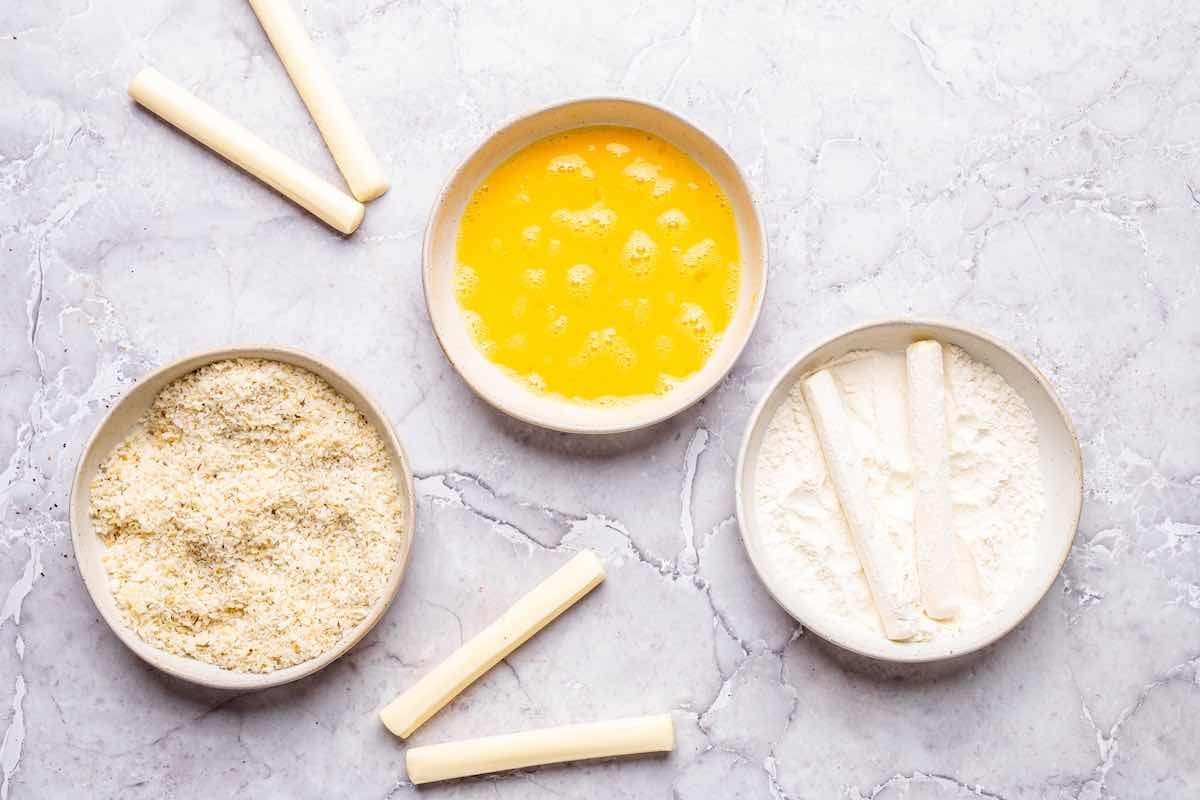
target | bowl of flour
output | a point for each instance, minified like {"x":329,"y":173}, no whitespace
{"x":243,"y":517}
{"x":1014,"y":480}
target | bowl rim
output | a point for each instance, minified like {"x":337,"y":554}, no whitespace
{"x":95,"y":580}
{"x":745,"y":512}
{"x":631,"y":421}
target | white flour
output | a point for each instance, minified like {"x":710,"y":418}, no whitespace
{"x":996,"y":485}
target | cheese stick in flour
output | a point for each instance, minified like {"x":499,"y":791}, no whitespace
{"x":214,"y":130}
{"x":618,"y":737}
{"x":527,"y":616}
{"x":876,"y":551}
{"x":933,"y":519}
{"x":342,"y":136}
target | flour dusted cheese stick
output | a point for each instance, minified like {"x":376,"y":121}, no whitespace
{"x":876,"y":551}
{"x":618,"y":737}
{"x":527,"y":616}
{"x":342,"y":136}
{"x":933,"y":518}
{"x":217,"y":132}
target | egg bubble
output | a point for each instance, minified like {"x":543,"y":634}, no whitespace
{"x":594,"y":342}
{"x":642,"y":171}
{"x":646,"y":173}
{"x":617,"y":149}
{"x":475,"y":325}
{"x":534,"y":277}
{"x":694,"y":320}
{"x":733,"y":284}
{"x":641,"y":311}
{"x":570,"y":164}
{"x":639,"y":254}
{"x":466,"y":281}
{"x":531,"y":234}
{"x":700,"y":259}
{"x":623,"y":354}
{"x":581,"y":279}
{"x":520,"y":306}
{"x":594,"y":222}
{"x":610,"y":343}
{"x":558,"y":325}
{"x":673,"y":222}
{"x":536,"y":382}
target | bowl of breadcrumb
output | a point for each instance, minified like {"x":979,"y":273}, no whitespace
{"x":243,"y":517}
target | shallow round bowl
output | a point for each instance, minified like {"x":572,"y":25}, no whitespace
{"x":113,"y":429}
{"x":497,"y":386}
{"x":1062,"y":474}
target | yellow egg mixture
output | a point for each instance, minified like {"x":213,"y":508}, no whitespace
{"x":597,"y":264}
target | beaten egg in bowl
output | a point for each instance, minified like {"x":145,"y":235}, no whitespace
{"x":599,"y":265}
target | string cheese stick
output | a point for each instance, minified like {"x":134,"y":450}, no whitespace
{"x":618,"y":737}
{"x":214,"y":130}
{"x":345,"y":141}
{"x":526,"y":617}
{"x":876,"y":551}
{"x":933,"y":519}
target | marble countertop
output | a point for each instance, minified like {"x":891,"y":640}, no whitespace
{"x":1031,"y":170}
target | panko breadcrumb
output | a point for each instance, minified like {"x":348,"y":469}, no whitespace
{"x":251,"y":519}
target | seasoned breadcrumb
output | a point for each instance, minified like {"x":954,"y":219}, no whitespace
{"x":251,"y":519}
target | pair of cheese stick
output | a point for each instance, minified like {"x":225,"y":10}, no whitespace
{"x":940,"y":592}
{"x":214,"y":130}
{"x":483,"y":651}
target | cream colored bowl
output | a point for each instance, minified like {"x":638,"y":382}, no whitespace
{"x":1062,"y":472}
{"x":88,"y":546}
{"x":498,"y":387}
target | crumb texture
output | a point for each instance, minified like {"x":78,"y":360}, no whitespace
{"x":251,"y":519}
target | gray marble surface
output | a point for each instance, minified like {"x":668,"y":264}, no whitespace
{"x":1030,"y":168}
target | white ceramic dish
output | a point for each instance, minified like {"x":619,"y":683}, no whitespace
{"x":1061,"y":464}
{"x":495,"y":385}
{"x":112,"y":430}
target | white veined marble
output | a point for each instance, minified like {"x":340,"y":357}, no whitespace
{"x":1032,"y":169}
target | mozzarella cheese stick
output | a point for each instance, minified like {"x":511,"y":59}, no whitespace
{"x":618,"y":737}
{"x":876,"y":551}
{"x":933,"y":520}
{"x":342,"y":136}
{"x":527,"y":616}
{"x":214,"y":130}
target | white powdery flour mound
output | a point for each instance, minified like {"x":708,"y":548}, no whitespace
{"x":996,"y":485}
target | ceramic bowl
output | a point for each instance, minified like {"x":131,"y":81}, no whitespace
{"x":1061,"y":465}
{"x":498,"y":387}
{"x":122,"y":418}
